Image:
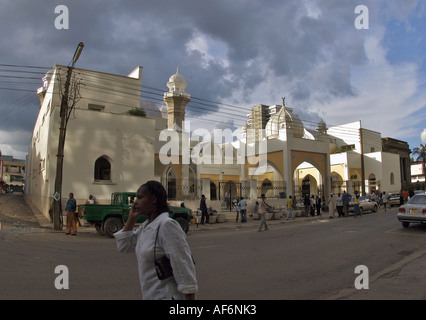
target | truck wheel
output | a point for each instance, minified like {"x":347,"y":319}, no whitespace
{"x":183,"y":224}
{"x":405,"y":224}
{"x":112,"y":225}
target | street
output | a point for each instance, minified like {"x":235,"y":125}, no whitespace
{"x":312,"y":259}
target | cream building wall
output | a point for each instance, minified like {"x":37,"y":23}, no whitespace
{"x":98,"y":127}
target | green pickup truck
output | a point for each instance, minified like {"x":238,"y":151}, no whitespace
{"x":108,"y":219}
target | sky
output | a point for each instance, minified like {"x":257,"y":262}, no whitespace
{"x":330,"y":59}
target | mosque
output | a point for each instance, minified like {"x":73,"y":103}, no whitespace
{"x":110,"y":150}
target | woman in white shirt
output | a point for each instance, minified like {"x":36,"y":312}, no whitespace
{"x":151,"y":201}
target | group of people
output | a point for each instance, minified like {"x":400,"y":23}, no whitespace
{"x":311,"y":205}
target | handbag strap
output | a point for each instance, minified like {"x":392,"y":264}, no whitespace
{"x":156,"y":237}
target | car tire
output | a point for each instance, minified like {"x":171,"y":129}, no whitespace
{"x":112,"y":225}
{"x":405,"y":224}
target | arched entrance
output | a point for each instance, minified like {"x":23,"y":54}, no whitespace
{"x":170,"y":183}
{"x":270,"y":181}
{"x":308,"y":180}
{"x":337,"y":184}
{"x":267,"y":188}
{"x":213,"y":191}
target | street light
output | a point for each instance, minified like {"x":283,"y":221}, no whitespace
{"x":78,"y":52}
{"x":57,"y":207}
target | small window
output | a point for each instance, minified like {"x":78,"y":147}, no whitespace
{"x":102,"y":169}
{"x":96,"y":107}
{"x":392,"y":178}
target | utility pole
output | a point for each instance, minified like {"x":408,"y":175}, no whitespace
{"x":362,"y":161}
{"x":57,"y":207}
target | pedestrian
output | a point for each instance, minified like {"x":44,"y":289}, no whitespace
{"x":243,"y":207}
{"x":203,"y":208}
{"x":318,"y":205}
{"x":255,"y":209}
{"x":401,"y":198}
{"x":307,"y":204}
{"x":346,"y":197}
{"x":289,"y":208}
{"x":312,"y":206}
{"x":356,"y":205}
{"x":262,"y":211}
{"x":339,"y":205}
{"x":238,"y":209}
{"x":384,"y":199}
{"x":331,"y":205}
{"x":91,"y":200}
{"x":70,"y":208}
{"x":405,"y":195}
{"x":159,"y":236}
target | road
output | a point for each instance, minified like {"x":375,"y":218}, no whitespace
{"x":314,"y":259}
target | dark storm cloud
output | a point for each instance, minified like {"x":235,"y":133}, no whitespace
{"x":311,"y":45}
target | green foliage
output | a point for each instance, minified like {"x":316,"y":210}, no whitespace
{"x":137,"y":112}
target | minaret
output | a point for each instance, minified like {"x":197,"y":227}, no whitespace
{"x":176,"y":100}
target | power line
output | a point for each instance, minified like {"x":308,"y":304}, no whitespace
{"x":104,"y":84}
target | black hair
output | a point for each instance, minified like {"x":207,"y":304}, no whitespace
{"x":156,"y":189}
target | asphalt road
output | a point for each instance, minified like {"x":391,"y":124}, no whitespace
{"x":312,"y":259}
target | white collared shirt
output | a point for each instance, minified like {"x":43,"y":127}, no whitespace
{"x":172,"y":243}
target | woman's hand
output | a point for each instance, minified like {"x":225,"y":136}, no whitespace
{"x":131,"y":220}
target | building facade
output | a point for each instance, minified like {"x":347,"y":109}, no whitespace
{"x":107,"y":150}
{"x":12,"y":174}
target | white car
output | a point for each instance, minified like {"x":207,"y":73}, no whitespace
{"x":414,"y":211}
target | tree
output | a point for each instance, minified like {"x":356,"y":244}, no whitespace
{"x":419,"y":154}
{"x":137,"y":112}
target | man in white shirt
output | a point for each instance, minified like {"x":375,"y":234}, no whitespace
{"x":243,"y":208}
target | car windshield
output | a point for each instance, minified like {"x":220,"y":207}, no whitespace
{"x":418,"y":199}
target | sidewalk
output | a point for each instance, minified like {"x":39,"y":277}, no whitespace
{"x":251,"y":223}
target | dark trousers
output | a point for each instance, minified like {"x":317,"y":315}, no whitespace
{"x":204,"y":215}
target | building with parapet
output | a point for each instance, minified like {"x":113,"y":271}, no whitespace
{"x":108,"y":150}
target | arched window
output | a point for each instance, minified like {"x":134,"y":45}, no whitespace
{"x":102,"y":169}
{"x":392,"y":178}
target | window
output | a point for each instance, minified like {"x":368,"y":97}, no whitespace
{"x":102,"y":169}
{"x":96,"y":107}
{"x":392,"y":178}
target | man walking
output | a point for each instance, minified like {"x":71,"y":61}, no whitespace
{"x":346,"y":197}
{"x":70,"y":208}
{"x":203,"y":208}
{"x":243,"y":210}
{"x":262,"y":211}
{"x":289,"y":208}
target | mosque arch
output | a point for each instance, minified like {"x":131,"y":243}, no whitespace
{"x":170,"y":182}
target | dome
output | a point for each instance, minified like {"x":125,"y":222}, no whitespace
{"x":177,"y":82}
{"x":284,"y":119}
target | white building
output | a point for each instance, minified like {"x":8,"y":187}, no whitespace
{"x":106,"y":150}
{"x":417,"y":174}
